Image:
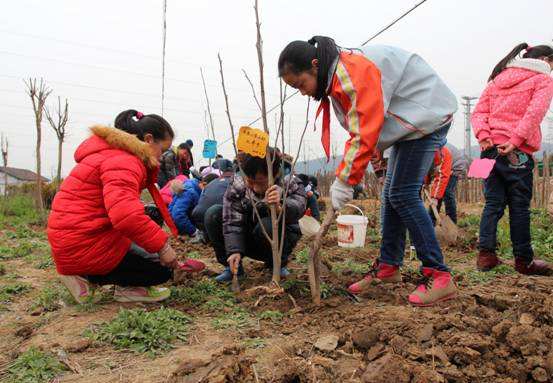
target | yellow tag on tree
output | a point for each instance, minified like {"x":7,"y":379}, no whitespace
{"x":253,"y":141}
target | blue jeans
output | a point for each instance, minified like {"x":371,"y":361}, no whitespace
{"x":508,"y":185}
{"x":448,"y":200}
{"x":402,"y":207}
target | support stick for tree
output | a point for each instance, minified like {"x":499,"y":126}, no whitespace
{"x":208,"y":106}
{"x":314,"y":262}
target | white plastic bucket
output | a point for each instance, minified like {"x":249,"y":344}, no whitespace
{"x":352,"y":229}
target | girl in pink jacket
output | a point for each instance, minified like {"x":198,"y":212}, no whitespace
{"x":506,"y":122}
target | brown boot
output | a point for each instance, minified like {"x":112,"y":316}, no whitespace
{"x":535,"y":267}
{"x":487,"y":260}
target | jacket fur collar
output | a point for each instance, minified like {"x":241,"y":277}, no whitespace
{"x":120,"y":139}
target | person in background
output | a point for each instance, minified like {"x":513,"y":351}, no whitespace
{"x":384,"y":97}
{"x":173,"y":162}
{"x":211,"y":195}
{"x":438,"y":178}
{"x":185,"y":198}
{"x":311,"y":194}
{"x":506,"y":121}
{"x":459,"y":168}
{"x":188,"y":145}
{"x":235,"y":231}
{"x":98,"y":230}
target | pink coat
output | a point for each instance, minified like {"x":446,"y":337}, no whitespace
{"x":514,"y":104}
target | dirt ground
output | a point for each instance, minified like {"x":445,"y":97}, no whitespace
{"x":499,"y":329}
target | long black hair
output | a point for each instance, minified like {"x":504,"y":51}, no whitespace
{"x":531,"y":53}
{"x":297,"y":57}
{"x":134,"y":122}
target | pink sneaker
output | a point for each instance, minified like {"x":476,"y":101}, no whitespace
{"x":79,"y":288}
{"x":191,"y":266}
{"x":141,"y":294}
{"x":438,"y":287}
{"x":380,"y":273}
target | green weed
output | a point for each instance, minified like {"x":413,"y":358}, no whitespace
{"x":475,"y":277}
{"x":272,"y":315}
{"x":302,"y":256}
{"x":351,"y":265}
{"x":34,"y":366}
{"x":254,"y":343}
{"x":199,"y":293}
{"x":143,"y":331}
{"x":7,"y":292}
{"x":236,"y":318}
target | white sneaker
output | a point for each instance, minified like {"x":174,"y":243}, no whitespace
{"x":141,"y":294}
{"x":79,"y":288}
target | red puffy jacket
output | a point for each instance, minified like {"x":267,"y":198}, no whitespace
{"x":97,"y":213}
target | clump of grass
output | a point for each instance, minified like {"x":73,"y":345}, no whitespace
{"x":2,"y":269}
{"x":475,"y":277}
{"x":19,"y":209}
{"x":237,"y":318}
{"x":193,"y":255}
{"x":351,"y":265}
{"x":272,"y":315}
{"x":143,"y":331}
{"x":302,"y":289}
{"x":302,"y":256}
{"x":34,"y":366}
{"x":199,"y":293}
{"x":51,"y":298}
{"x":254,"y":343}
{"x":8,"y":292}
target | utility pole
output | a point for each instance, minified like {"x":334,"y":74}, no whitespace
{"x":468,"y":130}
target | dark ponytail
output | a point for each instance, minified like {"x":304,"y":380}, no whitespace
{"x":134,"y":122}
{"x":531,"y":53}
{"x":297,"y":57}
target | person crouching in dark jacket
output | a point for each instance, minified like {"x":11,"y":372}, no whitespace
{"x":234,"y":229}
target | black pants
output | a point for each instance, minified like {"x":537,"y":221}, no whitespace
{"x":138,"y":268}
{"x":508,"y":185}
{"x":257,"y":246}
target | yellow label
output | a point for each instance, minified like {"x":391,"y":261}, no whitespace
{"x":252,"y":141}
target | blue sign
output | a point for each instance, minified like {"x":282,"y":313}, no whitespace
{"x":210,"y":149}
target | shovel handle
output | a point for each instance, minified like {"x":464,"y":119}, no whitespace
{"x":434,"y":210}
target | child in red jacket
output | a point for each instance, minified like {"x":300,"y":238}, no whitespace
{"x":506,"y":122}
{"x":438,"y":178}
{"x":97,"y":229}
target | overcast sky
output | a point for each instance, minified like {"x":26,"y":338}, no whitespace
{"x":105,"y":57}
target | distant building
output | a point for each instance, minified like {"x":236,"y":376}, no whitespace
{"x":17,"y":177}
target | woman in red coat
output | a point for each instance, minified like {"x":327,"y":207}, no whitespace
{"x":98,"y":230}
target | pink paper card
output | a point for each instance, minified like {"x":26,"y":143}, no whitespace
{"x":481,"y":168}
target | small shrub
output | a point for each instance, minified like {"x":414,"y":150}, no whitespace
{"x":272,"y":315}
{"x":143,"y":331}
{"x":34,"y":366}
{"x":7,"y":292}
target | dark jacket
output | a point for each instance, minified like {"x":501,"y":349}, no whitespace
{"x":168,"y":167}
{"x":182,"y":205}
{"x":239,"y":215}
{"x":212,"y":195}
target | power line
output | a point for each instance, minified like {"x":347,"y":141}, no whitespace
{"x":112,"y":69}
{"x":393,"y":22}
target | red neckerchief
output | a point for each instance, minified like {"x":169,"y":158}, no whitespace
{"x":324,"y":106}
{"x":154,"y":192}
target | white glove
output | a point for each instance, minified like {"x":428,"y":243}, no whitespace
{"x":340,"y":194}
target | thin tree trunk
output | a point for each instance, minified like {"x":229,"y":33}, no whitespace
{"x":58,"y":174}
{"x":39,"y":202}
